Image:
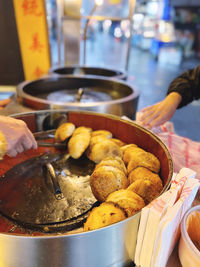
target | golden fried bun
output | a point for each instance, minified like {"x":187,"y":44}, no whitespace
{"x":64,"y":131}
{"x":3,"y":145}
{"x":82,"y":129}
{"x":105,"y":180}
{"x":123,"y":148}
{"x":127,"y":200}
{"x":114,"y":162}
{"x":107,"y":213}
{"x":97,"y":138}
{"x":106,"y":133}
{"x":118,"y":142}
{"x":141,"y":173}
{"x":131,"y":152}
{"x":103,"y":149}
{"x":146,"y":189}
{"x":145,"y":159}
{"x":78,"y":143}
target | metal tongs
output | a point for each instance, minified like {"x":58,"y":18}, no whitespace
{"x":57,"y":190}
{"x":47,"y":135}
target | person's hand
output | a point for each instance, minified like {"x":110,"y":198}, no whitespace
{"x":18,"y":136}
{"x":161,"y":112}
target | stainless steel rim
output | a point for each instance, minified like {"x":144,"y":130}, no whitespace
{"x":22,"y":94}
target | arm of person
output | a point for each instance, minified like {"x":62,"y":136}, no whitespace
{"x":187,"y":85}
{"x":17,"y":136}
{"x":182,"y":90}
{"x":161,"y":112}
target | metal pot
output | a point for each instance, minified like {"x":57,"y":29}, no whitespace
{"x":113,"y":245}
{"x":88,"y":70}
{"x":102,"y":95}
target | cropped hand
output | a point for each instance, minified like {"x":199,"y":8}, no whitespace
{"x":161,"y":112}
{"x":18,"y":137}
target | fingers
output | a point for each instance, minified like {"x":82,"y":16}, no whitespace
{"x":28,"y":138}
{"x":30,"y":141}
{"x":25,"y":142}
{"x":12,"y":153}
{"x":155,"y":122}
{"x":145,"y":114}
{"x":153,"y":115}
{"x":17,"y":134}
{"x":148,"y":114}
{"x":149,"y":119}
{"x":19,"y":148}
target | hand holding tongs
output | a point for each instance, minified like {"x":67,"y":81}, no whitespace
{"x":47,"y":135}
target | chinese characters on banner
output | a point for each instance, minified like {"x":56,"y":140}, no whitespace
{"x":33,"y":37}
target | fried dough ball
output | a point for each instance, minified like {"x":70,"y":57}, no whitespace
{"x":118,"y":142}
{"x":102,"y":150}
{"x":64,"y":131}
{"x":114,"y":162}
{"x":132,"y":151}
{"x":105,"y":180}
{"x":123,"y":148}
{"x":3,"y":145}
{"x":141,"y":173}
{"x":78,"y":143}
{"x":107,"y":213}
{"x":127,"y":200}
{"x":146,"y":189}
{"x":97,"y":139}
{"x":106,"y":133}
{"x":144,"y":159}
{"x":82,"y":129}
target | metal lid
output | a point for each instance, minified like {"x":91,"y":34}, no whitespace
{"x":49,"y":189}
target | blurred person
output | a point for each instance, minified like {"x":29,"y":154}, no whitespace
{"x":15,"y":137}
{"x":182,"y":91}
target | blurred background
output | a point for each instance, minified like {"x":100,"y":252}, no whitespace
{"x":159,"y":27}
{"x":152,"y":40}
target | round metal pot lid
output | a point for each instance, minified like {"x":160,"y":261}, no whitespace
{"x":30,"y":195}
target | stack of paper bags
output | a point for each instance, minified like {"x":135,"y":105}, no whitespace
{"x":159,"y":227}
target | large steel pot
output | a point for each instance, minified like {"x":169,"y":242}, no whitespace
{"x":113,"y":245}
{"x":104,"y":95}
{"x":88,"y":70}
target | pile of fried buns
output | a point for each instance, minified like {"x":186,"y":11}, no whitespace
{"x":125,"y":178}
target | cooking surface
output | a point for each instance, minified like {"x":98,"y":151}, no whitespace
{"x":88,"y":96}
{"x":27,"y":194}
{"x":37,"y":122}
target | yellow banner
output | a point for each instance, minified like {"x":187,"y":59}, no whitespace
{"x":33,"y":37}
{"x":114,"y":2}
